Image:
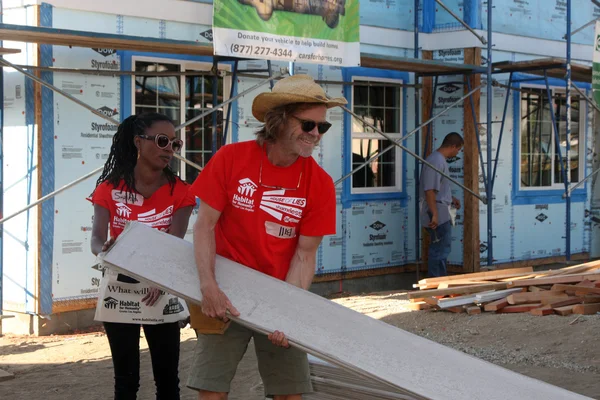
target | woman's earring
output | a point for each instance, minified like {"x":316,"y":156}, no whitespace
{"x":138,"y":157}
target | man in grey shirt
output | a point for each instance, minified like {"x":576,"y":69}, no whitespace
{"x":435,"y":200}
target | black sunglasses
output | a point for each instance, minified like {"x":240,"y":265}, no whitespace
{"x":308,"y":126}
{"x":162,"y":141}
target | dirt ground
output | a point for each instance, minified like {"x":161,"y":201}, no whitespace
{"x":560,"y":350}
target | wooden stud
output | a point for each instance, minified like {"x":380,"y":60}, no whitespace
{"x":521,"y":308}
{"x":567,"y":302}
{"x":471,"y":240}
{"x":484,"y":276}
{"x":473,"y":310}
{"x":591,"y":298}
{"x":496,"y":305}
{"x":4,"y":50}
{"x":535,"y":297}
{"x":577,"y":290}
{"x":451,"y":284}
{"x":555,"y":279}
{"x":432,"y":301}
{"x":586,"y":309}
{"x":565,"y":310}
{"x":542,"y":311}
{"x":426,"y":102}
{"x":457,"y":290}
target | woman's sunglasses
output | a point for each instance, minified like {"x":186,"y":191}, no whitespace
{"x":308,"y":126}
{"x":162,"y":141}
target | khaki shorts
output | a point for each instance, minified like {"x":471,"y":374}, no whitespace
{"x":216,"y":357}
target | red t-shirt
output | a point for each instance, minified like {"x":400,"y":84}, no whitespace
{"x":259,"y":226}
{"x":156,"y":211}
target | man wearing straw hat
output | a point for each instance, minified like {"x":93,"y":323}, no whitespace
{"x":265,"y":204}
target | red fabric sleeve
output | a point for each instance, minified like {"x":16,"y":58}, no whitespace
{"x":319,"y":219}
{"x":211,"y":184}
{"x":103,"y":195}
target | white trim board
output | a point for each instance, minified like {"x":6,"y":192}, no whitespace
{"x":412,"y":364}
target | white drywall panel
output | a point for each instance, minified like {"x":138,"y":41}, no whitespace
{"x":325,"y":329}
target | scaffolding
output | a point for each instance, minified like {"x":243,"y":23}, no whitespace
{"x":421,"y":68}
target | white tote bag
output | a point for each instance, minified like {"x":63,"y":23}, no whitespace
{"x":122,"y":302}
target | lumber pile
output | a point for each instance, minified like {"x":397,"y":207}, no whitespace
{"x":565,"y":291}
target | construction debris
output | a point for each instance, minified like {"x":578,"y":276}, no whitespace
{"x":565,"y":291}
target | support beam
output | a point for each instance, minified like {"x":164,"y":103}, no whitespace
{"x":471,"y":243}
{"x":426,"y":113}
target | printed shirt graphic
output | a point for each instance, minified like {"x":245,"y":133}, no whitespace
{"x":156,"y":211}
{"x":259,"y":226}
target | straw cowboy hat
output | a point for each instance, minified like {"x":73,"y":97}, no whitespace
{"x":293,"y":89}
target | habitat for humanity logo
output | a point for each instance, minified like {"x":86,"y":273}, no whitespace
{"x":377,"y":225}
{"x":598,"y":43}
{"x":110,"y":303}
{"x":246,"y":189}
{"x":105,"y":52}
{"x":541,"y":217}
{"x":109,"y":112}
{"x":173,"y":307}
{"x":123,"y":210}
{"x":449,"y":88}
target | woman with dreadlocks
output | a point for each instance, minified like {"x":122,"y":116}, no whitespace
{"x":137,"y":184}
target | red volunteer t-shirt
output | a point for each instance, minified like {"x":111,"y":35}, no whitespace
{"x":156,"y":211}
{"x":259,"y":226}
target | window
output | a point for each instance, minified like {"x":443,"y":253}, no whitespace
{"x":380,"y":104}
{"x":540,"y":159}
{"x":182,"y":96}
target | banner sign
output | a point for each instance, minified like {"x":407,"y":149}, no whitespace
{"x":596,"y":65}
{"x":122,"y":302}
{"x":304,"y":31}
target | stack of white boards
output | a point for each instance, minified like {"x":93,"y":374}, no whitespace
{"x":334,"y":383}
{"x":418,"y":368}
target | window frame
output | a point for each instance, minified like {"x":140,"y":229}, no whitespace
{"x":186,"y":65}
{"x":349,"y":195}
{"x":546,"y":194}
{"x":582,"y":118}
{"x":398,"y":187}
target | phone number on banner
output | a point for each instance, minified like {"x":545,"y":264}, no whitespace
{"x":260,"y":50}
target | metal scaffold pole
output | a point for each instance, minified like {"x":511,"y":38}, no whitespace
{"x":417,"y":147}
{"x":567,"y":176}
{"x":489,"y":97}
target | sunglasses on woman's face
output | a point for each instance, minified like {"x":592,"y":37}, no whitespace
{"x":308,"y":126}
{"x":162,"y":141}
